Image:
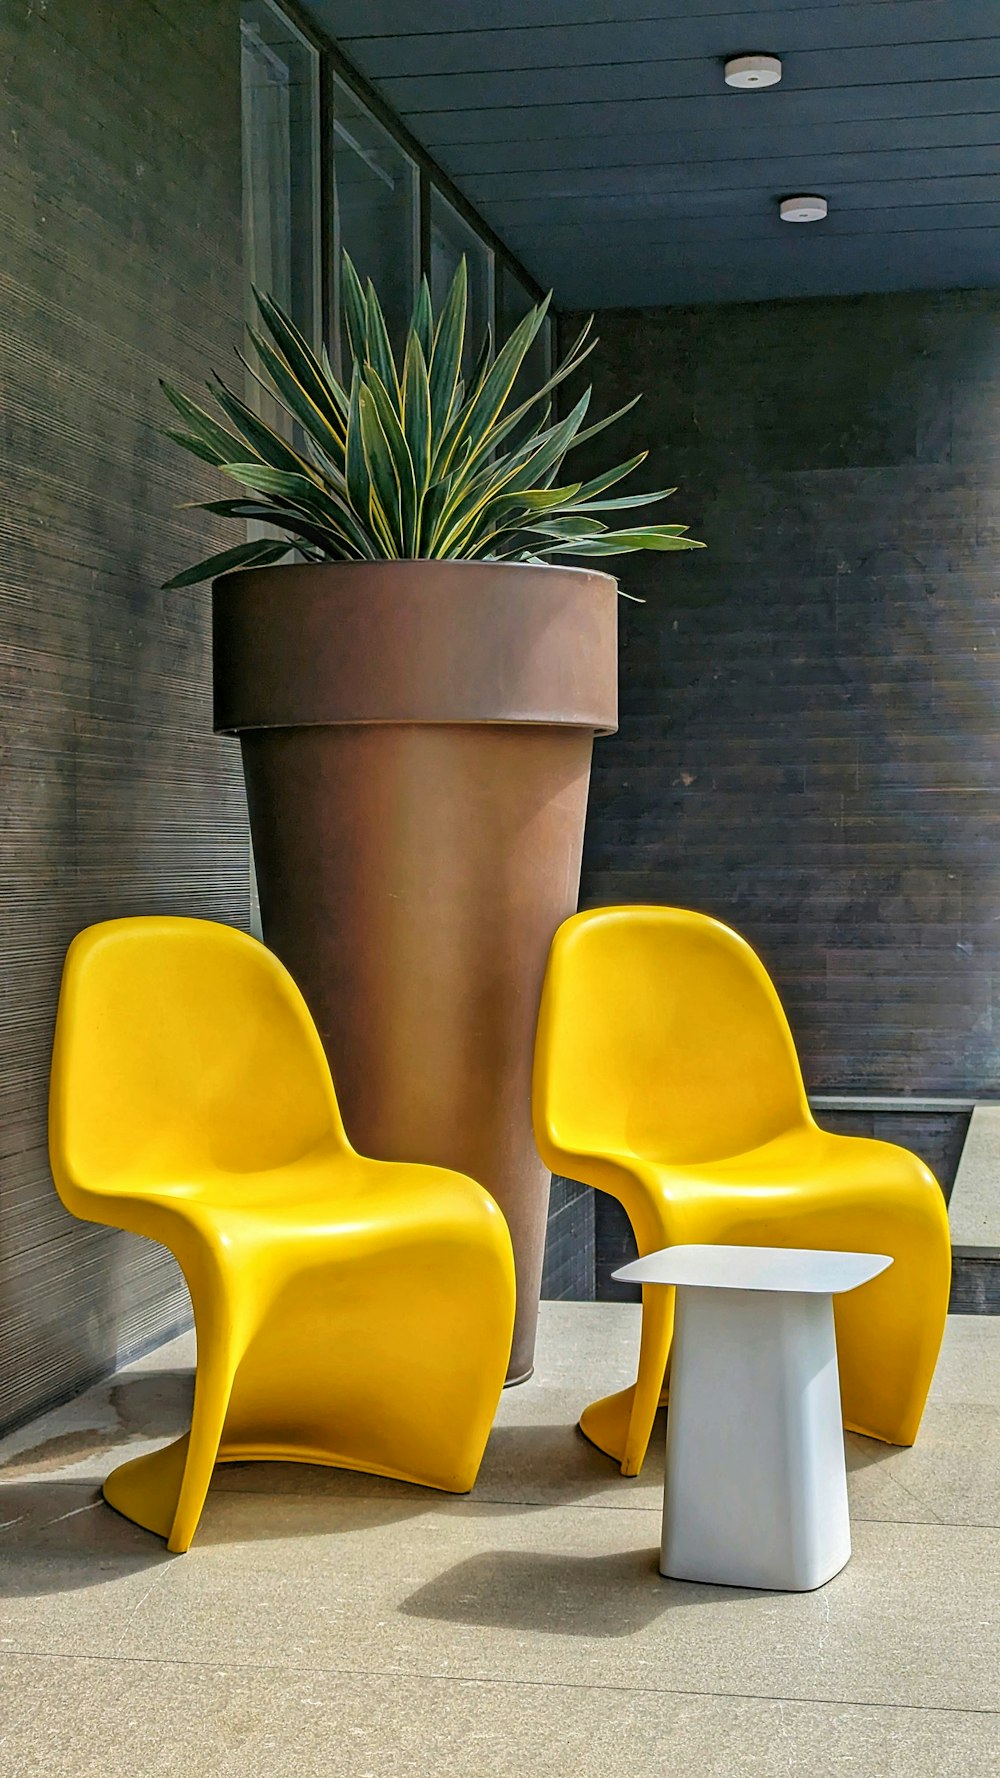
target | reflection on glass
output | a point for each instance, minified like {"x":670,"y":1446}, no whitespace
{"x":450,"y":237}
{"x":280,"y":74}
{"x":375,"y":185}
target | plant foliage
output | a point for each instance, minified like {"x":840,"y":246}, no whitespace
{"x":409,"y":461}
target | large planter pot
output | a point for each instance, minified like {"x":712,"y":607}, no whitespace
{"x":416,"y":741}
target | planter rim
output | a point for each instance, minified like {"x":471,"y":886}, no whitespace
{"x":451,"y":564}
{"x":415,"y":641}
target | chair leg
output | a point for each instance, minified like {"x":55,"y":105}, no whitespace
{"x":165,"y":1490}
{"x":889,"y":1342}
{"x":621,"y":1424}
{"x":213,"y":1387}
{"x":654,"y":1350}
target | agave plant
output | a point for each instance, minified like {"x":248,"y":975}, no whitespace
{"x":409,"y":462}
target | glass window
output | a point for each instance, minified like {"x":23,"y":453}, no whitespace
{"x":281,"y":233}
{"x":376,"y":198}
{"x":450,"y":237}
{"x":513,"y":302}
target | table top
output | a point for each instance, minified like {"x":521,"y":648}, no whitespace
{"x":799,"y":1269}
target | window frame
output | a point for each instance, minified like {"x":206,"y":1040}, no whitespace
{"x":335,"y":66}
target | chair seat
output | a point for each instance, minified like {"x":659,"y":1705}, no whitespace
{"x":803,"y":1159}
{"x":322,"y":1192}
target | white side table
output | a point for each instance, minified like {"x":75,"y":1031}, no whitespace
{"x":755,"y":1491}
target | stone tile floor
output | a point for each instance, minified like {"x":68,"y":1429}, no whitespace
{"x":326,"y":1625}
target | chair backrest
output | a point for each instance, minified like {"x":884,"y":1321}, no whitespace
{"x":661,"y":1034}
{"x":181,"y":1045}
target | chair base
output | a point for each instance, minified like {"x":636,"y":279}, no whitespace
{"x":605,"y":1425}
{"x":146,"y":1489}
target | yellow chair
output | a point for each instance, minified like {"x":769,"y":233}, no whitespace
{"x":348,"y":1311}
{"x":666,"y":1075}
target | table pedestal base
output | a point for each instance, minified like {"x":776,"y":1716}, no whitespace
{"x":756,"y":1484}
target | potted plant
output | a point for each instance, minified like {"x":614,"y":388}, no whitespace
{"x":416,"y":700}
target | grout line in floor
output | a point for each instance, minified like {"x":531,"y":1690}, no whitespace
{"x":462,"y":1503}
{"x":934,"y":1520}
{"x":452,"y":1678}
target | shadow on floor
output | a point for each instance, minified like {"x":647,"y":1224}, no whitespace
{"x":604,"y":1596}
{"x":59,"y":1537}
{"x":862,"y":1452}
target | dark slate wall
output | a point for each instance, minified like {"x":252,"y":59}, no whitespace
{"x":120,"y":218}
{"x":809,"y":741}
{"x":570,"y":1253}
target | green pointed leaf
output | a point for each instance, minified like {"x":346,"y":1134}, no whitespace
{"x":245,"y":555}
{"x":446,"y":355}
{"x":356,"y":469}
{"x":386,"y":498}
{"x":188,"y":442}
{"x":621,"y":501}
{"x":417,"y":420}
{"x":609,"y":420}
{"x":203,"y":425}
{"x":264,"y":442}
{"x":354,"y":311}
{"x":321,"y":505}
{"x":379,"y":350}
{"x":599,"y":483}
{"x":565,"y":527}
{"x":540,"y":499}
{"x":615,"y":543}
{"x":324,"y":426}
{"x":402,"y":462}
{"x":315,"y":375}
{"x":269,"y":514}
{"x":484,"y":359}
{"x":422,"y":321}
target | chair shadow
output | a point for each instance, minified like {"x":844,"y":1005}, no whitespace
{"x":552,"y":1461}
{"x":62,"y":1537}
{"x":863,"y":1452}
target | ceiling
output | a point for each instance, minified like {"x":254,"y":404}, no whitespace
{"x":599,"y":140}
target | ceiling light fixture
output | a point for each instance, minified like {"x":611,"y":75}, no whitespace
{"x":803,"y":209}
{"x":750,"y":72}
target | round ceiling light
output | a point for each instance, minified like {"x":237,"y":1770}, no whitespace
{"x":803,"y":209}
{"x":750,"y":72}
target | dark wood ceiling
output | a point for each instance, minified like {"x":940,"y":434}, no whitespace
{"x":599,"y":140}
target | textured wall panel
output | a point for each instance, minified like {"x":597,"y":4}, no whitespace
{"x":809,"y":743}
{"x":120,"y":206}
